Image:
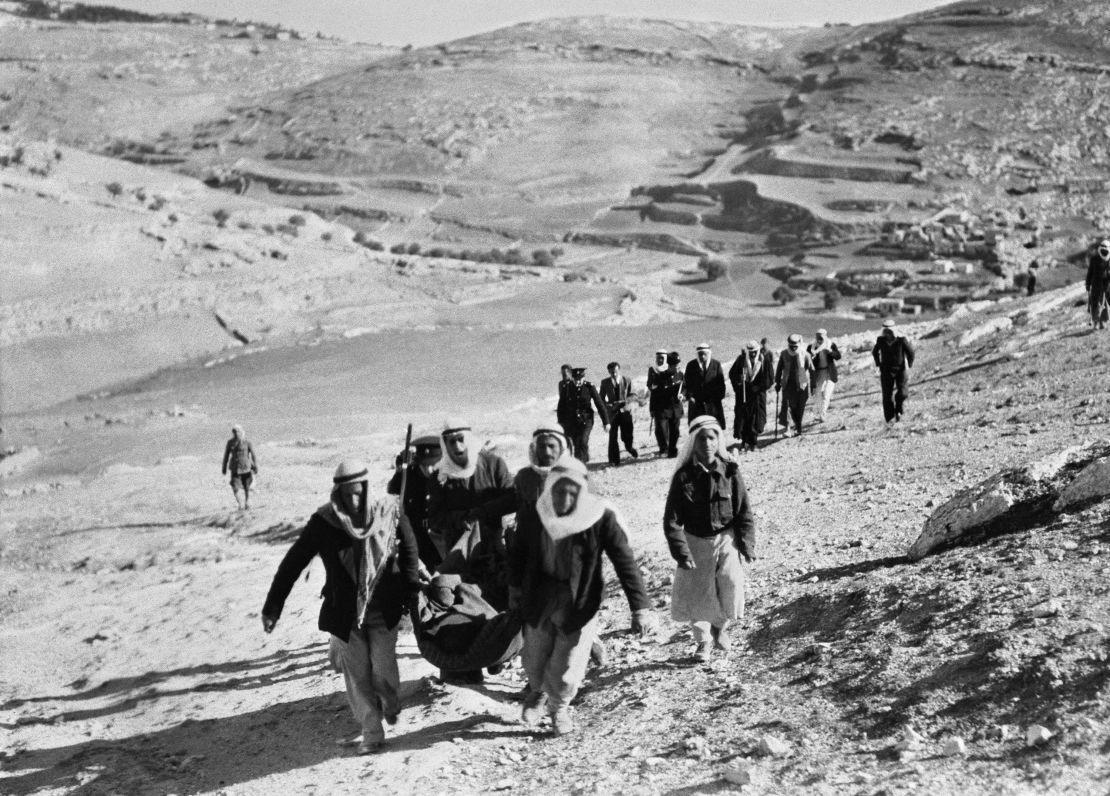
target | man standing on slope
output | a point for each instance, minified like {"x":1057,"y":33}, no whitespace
{"x":752,"y":374}
{"x":371,"y":574}
{"x":824,"y":354}
{"x":705,"y":386}
{"x":557,"y":581}
{"x":1098,"y":285}
{"x":616,"y":391}
{"x":564,"y":410}
{"x":665,"y":403}
{"x":792,"y":379}
{"x":583,"y":398}
{"x":239,"y":458}
{"x":426,"y":453}
{"x":893,"y":354}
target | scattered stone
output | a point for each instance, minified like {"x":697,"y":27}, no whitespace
{"x":954,"y":747}
{"x":912,"y":740}
{"x":1070,"y":545}
{"x":653,"y":762}
{"x":738,"y":774}
{"x":1036,"y":735}
{"x":1046,"y":609}
{"x":771,"y":746}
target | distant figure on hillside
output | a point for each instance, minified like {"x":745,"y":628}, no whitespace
{"x":893,"y":356}
{"x":1098,"y":285}
{"x":240,"y":460}
{"x":665,"y":404}
{"x":709,"y":528}
{"x":556,"y":580}
{"x":426,"y":453}
{"x":792,"y":378}
{"x":705,"y":386}
{"x":564,"y":410}
{"x":752,"y":375}
{"x":371,"y":574}
{"x":583,"y":398}
{"x":824,"y":354}
{"x":1031,"y":279}
{"x":616,"y":392}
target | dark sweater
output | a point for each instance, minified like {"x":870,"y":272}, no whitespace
{"x":586,"y":581}
{"x":706,"y":503}
{"x":337,"y":614}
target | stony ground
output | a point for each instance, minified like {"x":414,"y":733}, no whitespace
{"x":132,"y":659}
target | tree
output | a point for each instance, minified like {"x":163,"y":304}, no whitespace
{"x":832,"y":299}
{"x":784,"y":295}
{"x":543,"y":258}
{"x":714,"y":267}
{"x":414,"y":248}
{"x":115,"y":189}
{"x":221,"y":217}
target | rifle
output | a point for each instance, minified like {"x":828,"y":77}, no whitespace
{"x":406,"y":463}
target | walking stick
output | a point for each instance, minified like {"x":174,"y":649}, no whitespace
{"x":776,"y":414}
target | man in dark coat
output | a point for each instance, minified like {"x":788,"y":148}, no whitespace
{"x":564,"y":410}
{"x":705,"y":386}
{"x":583,"y":397}
{"x":792,"y":377}
{"x":426,"y":452}
{"x":557,"y":581}
{"x":1098,"y":285}
{"x":371,"y":573}
{"x":240,"y":460}
{"x":665,"y":404}
{"x":752,"y":375}
{"x":893,"y":355}
{"x":616,"y":392}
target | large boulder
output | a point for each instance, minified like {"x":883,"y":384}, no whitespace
{"x":1070,"y":476}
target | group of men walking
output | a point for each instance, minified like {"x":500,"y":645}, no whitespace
{"x":700,"y":388}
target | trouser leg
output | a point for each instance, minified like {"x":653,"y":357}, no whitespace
{"x":661,"y":432}
{"x":674,"y":425}
{"x":566,"y":668}
{"x":886,"y":380}
{"x":385,"y":677}
{"x":739,"y":420}
{"x":625,"y":423}
{"x":798,"y":409}
{"x":614,"y":445}
{"x":900,"y":394}
{"x":582,"y":443}
{"x":827,"y":390}
{"x":538,"y":644}
{"x":820,"y":379}
{"x":568,"y":432}
{"x":352,"y":659}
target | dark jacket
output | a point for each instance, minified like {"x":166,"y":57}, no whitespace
{"x":615,"y":397}
{"x":760,"y":382}
{"x":484,"y":497}
{"x":587,"y":585}
{"x":1098,"y":274}
{"x":665,"y":399}
{"x":825,"y":359}
{"x":893,"y":356}
{"x":239,"y":457}
{"x":583,"y":398}
{"x":337,"y":614}
{"x":705,"y":387}
{"x":705,"y":503}
{"x":790,"y":381}
{"x":415,"y":504}
{"x":564,"y":410}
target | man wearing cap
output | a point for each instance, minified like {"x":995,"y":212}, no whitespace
{"x":616,"y":391}
{"x":710,"y":530}
{"x":371,"y":574}
{"x":1098,"y":285}
{"x":752,"y":374}
{"x":792,"y":378}
{"x":665,"y":404}
{"x":583,"y":398}
{"x":705,"y":386}
{"x":893,"y":355}
{"x":557,"y":580}
{"x":824,"y":354}
{"x":240,"y":460}
{"x":564,"y":410}
{"x":426,"y":452}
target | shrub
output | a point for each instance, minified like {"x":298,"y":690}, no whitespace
{"x":115,"y":189}
{"x":514,"y":257}
{"x":221,"y":217}
{"x":832,"y":299}
{"x":397,"y":248}
{"x":557,"y":251}
{"x":414,"y":248}
{"x":297,"y":220}
{"x":714,"y":268}
{"x":496,"y":256}
{"x":543,"y":257}
{"x":325,"y":236}
{"x":784,"y":295}
{"x":436,"y":252}
{"x":375,"y":245}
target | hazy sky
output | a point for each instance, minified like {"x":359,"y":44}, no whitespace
{"x":432,"y":21}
